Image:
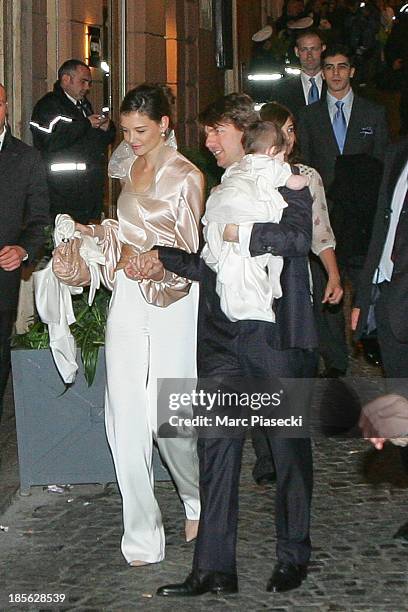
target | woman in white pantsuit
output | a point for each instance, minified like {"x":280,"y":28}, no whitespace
{"x":151,"y":330}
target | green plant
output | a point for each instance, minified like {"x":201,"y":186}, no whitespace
{"x":88,"y":330}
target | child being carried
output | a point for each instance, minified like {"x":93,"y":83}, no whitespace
{"x":249,"y":194}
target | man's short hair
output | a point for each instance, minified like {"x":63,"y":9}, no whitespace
{"x":309,"y":32}
{"x":261,"y":135}
{"x":337,"y":49}
{"x":69,"y":67}
{"x":235,"y":108}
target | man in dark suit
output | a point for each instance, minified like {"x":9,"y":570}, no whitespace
{"x":249,"y":350}
{"x":73,"y":141}
{"x":346,"y":124}
{"x":385,"y":273}
{"x":381,"y":300}
{"x":24,"y":208}
{"x":299,"y":91}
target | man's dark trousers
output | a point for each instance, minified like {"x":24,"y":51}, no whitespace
{"x":7,"y":318}
{"x":220,"y":460}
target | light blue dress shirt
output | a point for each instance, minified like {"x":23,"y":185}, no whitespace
{"x":348,"y":105}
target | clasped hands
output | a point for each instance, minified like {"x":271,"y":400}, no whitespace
{"x":145,"y":266}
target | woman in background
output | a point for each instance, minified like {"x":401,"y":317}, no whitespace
{"x":323,"y":243}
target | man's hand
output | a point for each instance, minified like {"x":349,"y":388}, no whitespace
{"x":97,"y":120}
{"x":231,"y":233}
{"x":145,"y":267}
{"x":355,"y":315}
{"x":11,"y":257}
{"x":104,"y":122}
{"x":334,"y":291}
{"x":378,"y":443}
{"x":385,"y":418}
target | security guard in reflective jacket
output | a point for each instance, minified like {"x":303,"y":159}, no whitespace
{"x":73,"y":142}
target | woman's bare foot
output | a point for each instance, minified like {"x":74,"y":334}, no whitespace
{"x":191,"y":529}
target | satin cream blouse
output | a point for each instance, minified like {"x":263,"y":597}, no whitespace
{"x":168,"y":213}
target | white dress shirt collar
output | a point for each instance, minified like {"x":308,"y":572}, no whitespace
{"x":386,"y":265}
{"x":306,"y":84}
{"x":2,"y":137}
{"x":348,"y":104}
{"x":73,"y":100}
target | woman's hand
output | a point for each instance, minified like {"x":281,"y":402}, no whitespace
{"x":151,"y":267}
{"x":333,"y":293}
{"x":86,"y":230}
{"x":146,"y":267}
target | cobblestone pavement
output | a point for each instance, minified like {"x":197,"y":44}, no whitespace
{"x":68,"y":543}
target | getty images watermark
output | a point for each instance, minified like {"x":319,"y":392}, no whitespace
{"x":229,"y":407}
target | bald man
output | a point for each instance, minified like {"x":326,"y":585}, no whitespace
{"x":24,"y":208}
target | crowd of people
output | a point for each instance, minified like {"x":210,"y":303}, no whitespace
{"x":251,"y":304}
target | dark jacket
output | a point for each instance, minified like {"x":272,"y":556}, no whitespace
{"x":295,"y":326}
{"x":289,"y":92}
{"x":24,"y":209}
{"x":354,"y":196}
{"x":63,"y":134}
{"x":395,"y":160}
{"x":367,"y":133}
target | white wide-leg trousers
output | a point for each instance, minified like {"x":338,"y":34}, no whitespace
{"x":144,"y":343}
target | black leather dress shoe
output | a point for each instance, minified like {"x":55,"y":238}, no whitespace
{"x":200,"y":583}
{"x":285,"y":577}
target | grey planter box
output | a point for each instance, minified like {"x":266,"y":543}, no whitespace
{"x":61,"y":432}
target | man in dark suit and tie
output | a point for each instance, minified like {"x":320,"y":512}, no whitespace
{"x":385,"y":273}
{"x":381,"y":300}
{"x":249,"y":350}
{"x":24,"y":209}
{"x":342,"y":124}
{"x":73,"y":141}
{"x":299,"y":91}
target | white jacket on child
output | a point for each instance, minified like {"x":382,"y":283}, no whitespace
{"x":247,"y":194}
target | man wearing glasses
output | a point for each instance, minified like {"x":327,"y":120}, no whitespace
{"x":346,"y":135}
{"x":343,"y":123}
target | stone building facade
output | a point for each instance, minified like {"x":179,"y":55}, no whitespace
{"x":172,"y":41}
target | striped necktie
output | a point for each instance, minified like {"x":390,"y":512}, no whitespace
{"x":340,"y":125}
{"x":80,"y":107}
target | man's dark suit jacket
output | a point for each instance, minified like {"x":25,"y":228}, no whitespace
{"x":24,"y":209}
{"x":367,"y":133}
{"x":289,"y":92}
{"x":395,"y":160}
{"x":295,"y":326}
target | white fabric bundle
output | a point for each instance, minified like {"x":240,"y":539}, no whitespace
{"x":248,"y":194}
{"x":53,"y":298}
